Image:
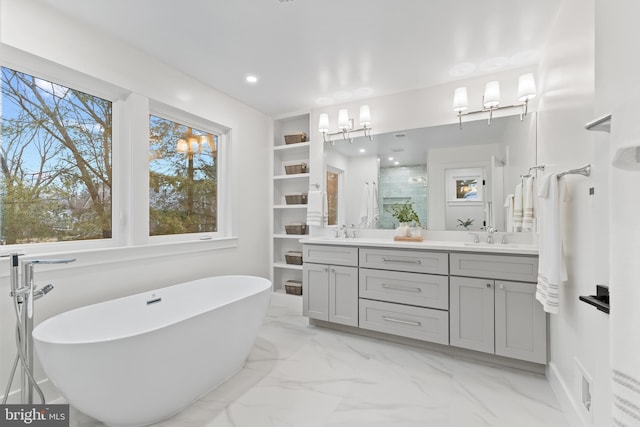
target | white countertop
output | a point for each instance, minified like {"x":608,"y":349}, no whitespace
{"x":442,"y":245}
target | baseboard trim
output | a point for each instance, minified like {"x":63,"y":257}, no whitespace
{"x":51,"y":393}
{"x":569,"y":405}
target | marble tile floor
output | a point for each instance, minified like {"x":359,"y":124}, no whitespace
{"x":304,"y":376}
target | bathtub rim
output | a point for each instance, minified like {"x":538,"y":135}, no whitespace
{"x":37,"y":336}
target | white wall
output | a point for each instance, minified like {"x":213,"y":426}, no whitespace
{"x":33,"y":31}
{"x":617,"y":68}
{"x":579,"y":333}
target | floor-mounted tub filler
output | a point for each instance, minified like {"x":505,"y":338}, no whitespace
{"x":140,"y":359}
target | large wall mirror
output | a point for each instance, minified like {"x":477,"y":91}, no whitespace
{"x":455,"y":179}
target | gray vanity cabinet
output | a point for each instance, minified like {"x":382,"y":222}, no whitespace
{"x":330,"y":291}
{"x":405,"y":292}
{"x":471,"y":313}
{"x":497,"y":316}
{"x":521,"y":323}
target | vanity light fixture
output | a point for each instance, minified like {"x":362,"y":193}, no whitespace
{"x":345,"y":125}
{"x":491,"y":98}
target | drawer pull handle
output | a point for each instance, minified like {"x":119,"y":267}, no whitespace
{"x":401,"y":260}
{"x":404,"y":322}
{"x":400,"y":288}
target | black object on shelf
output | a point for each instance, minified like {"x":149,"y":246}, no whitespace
{"x":600,"y":300}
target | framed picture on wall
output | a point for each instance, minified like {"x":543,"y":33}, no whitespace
{"x":465,"y":186}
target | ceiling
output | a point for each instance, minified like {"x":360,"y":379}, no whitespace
{"x":309,"y":53}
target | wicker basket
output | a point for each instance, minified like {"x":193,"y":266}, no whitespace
{"x":295,"y":138}
{"x":296,"y":198}
{"x":293,"y":287}
{"x":296,"y":229}
{"x":293,"y":257}
{"x":295,"y":168}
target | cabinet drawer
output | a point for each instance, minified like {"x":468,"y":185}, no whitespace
{"x":334,"y":255}
{"x":424,"y":290}
{"x":413,"y":322}
{"x":405,"y":260}
{"x":520,"y":268}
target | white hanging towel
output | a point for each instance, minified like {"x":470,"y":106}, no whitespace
{"x":314,"y":208}
{"x":624,"y":286}
{"x":508,"y":204}
{"x":364,"y":206}
{"x":517,"y":209}
{"x":373,"y":206}
{"x":552,"y":269}
{"x":528,"y":213}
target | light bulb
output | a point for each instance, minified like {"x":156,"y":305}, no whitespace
{"x":492,"y":94}
{"x":365,"y":116}
{"x":343,"y":119}
{"x":323,"y":123}
{"x":460,"y":100}
{"x":526,"y":87}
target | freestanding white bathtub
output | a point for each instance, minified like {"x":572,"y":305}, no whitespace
{"x":137,"y":360}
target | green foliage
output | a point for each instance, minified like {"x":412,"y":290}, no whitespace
{"x":405,"y":212}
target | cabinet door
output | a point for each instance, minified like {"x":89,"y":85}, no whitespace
{"x":521,"y":323}
{"x":343,"y":295}
{"x":471,"y":313}
{"x":315,"y":291}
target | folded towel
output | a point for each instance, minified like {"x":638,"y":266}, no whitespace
{"x":517,"y":209}
{"x":373,"y":206}
{"x":508,"y":204}
{"x":552,"y":269}
{"x":314,"y":208}
{"x":624,"y":286}
{"x":527,"y":204}
{"x":365,"y":206}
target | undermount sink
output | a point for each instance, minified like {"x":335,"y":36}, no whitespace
{"x":496,"y":245}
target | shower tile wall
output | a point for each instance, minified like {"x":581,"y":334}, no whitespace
{"x":400,"y":184}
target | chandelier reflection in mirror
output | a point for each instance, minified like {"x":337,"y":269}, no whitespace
{"x":345,"y":125}
{"x":491,"y":98}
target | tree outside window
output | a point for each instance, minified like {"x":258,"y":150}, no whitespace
{"x":183,"y":179}
{"x":56,"y":162}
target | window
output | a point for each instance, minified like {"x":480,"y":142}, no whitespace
{"x":56,"y":162}
{"x":183,"y":178}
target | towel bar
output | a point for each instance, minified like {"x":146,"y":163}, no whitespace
{"x":600,"y":124}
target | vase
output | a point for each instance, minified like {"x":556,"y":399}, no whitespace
{"x":402,"y":230}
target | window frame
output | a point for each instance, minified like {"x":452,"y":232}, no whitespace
{"x":181,"y":117}
{"x":130,"y":192}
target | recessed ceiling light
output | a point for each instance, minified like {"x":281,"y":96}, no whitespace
{"x":362,"y":150}
{"x":462,"y":69}
{"x":251,"y":78}
{"x":343,"y":94}
{"x":493,"y":64}
{"x":364,"y":92}
{"x":396,"y":163}
{"x":390,"y":158}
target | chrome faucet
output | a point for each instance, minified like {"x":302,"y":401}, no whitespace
{"x":343,"y":229}
{"x":353,"y":231}
{"x":476,"y":237}
{"x":29,"y":295}
{"x":490,"y":231}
